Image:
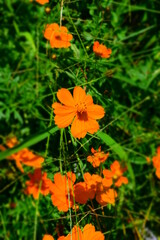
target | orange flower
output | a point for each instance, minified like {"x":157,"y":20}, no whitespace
{"x":24,"y":156}
{"x":79,"y":110}
{"x":47,"y":237}
{"x":38,"y":183}
{"x":106,"y":196}
{"x":101,"y":50}
{"x":62,"y":191}
{"x":58,"y":36}
{"x":93,"y":186}
{"x":81,"y":193}
{"x":42,"y":2}
{"x":98,"y":157}
{"x":156,"y":162}
{"x":88,"y":233}
{"x":92,"y":181}
{"x":116,"y":174}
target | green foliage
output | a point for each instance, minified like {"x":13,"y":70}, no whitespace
{"x":126,"y":85}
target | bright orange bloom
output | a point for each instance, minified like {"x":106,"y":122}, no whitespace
{"x":88,"y":233}
{"x":156,"y":162}
{"x":93,"y":186}
{"x":62,"y":191}
{"x":79,"y":110}
{"x":38,"y":183}
{"x":47,"y":237}
{"x":106,"y":196}
{"x":101,"y":50}
{"x":116,"y":174}
{"x":98,"y":157}
{"x":58,"y":36}
{"x":24,"y":156}
{"x":81,"y":192}
{"x":92,"y":181}
{"x":42,"y":2}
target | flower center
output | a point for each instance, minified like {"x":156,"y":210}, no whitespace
{"x":58,"y":36}
{"x":82,"y":111}
{"x":100,"y":187}
{"x":81,"y":107}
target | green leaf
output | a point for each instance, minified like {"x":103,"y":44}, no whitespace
{"x":29,"y":142}
{"x":29,"y":38}
{"x":138,"y":160}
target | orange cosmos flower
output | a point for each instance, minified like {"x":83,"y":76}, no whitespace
{"x":101,"y":50}
{"x":47,"y":237}
{"x":156,"y":162}
{"x":86,"y":190}
{"x":116,"y":174}
{"x":62,"y":191}
{"x":105,"y":196}
{"x":81,"y":192}
{"x":98,"y":157}
{"x":94,"y":185}
{"x":79,"y":110}
{"x":42,"y":2}
{"x":24,"y":156}
{"x":38,"y":183}
{"x":58,"y":36}
{"x":88,"y":233}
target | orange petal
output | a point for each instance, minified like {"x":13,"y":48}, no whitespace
{"x":92,"y":126}
{"x":78,"y":128}
{"x":47,"y":237}
{"x":65,"y":97}
{"x":107,"y":173}
{"x":95,"y":111}
{"x":64,"y":121}
{"x":63,"y":29}
{"x":120,"y":181}
{"x":63,"y":110}
{"x":89,"y":233}
{"x":79,"y":94}
{"x":81,"y":194}
{"x":89,"y":100}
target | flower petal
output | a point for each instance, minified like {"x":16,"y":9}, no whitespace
{"x":88,"y":100}
{"x":79,"y":94}
{"x":95,"y":111}
{"x":65,"y":97}
{"x":92,"y":126}
{"x":64,"y":115}
{"x":78,"y":128}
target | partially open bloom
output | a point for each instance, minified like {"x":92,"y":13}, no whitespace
{"x":62,"y":191}
{"x":47,"y":237}
{"x":58,"y":36}
{"x":24,"y":156}
{"x":156,"y":162}
{"x":101,"y":50}
{"x":79,"y":110}
{"x":116,"y":174}
{"x":88,"y":233}
{"x":38,"y":183}
{"x":98,"y":157}
{"x":42,"y":2}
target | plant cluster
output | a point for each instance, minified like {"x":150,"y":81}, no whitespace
{"x":80,"y":120}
